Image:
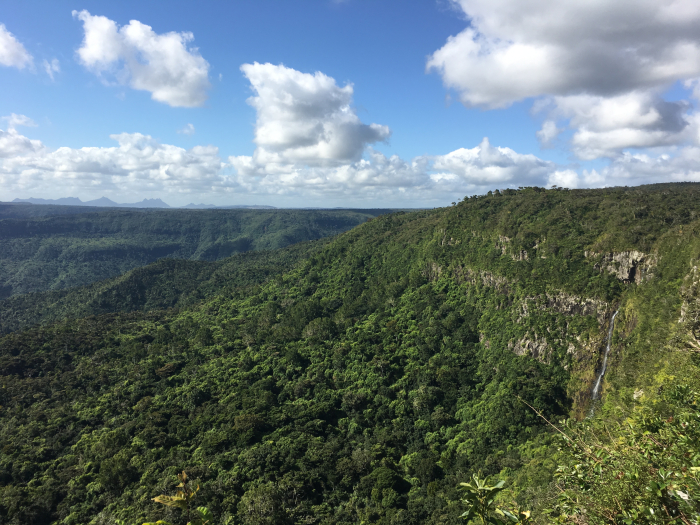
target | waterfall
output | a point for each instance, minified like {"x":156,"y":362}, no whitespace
{"x":596,"y":388}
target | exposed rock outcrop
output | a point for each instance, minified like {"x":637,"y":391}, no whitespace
{"x":690,"y":308}
{"x":690,"y":292}
{"x":432,"y":271}
{"x":566,"y":304}
{"x":520,"y":256}
{"x":463,"y":274}
{"x":629,"y":266}
{"x":501,"y":243}
{"x":573,"y":305}
{"x":532,"y":346}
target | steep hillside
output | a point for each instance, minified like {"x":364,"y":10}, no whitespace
{"x":52,"y":253}
{"x":364,"y":384}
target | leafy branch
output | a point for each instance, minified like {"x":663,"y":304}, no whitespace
{"x":183,"y":500}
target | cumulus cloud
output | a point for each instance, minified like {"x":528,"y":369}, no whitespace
{"x":515,"y":49}
{"x":600,"y":66}
{"x":377,"y":177}
{"x":12,"y":52}
{"x":135,"y":55}
{"x":310,"y":141}
{"x":490,"y":166}
{"x":606,"y":125}
{"x":634,"y":169}
{"x":306,"y":119}
{"x":564,"y":179}
{"x":52,"y":67}
{"x":138,"y":164}
{"x":12,"y":144}
{"x":373,"y":178}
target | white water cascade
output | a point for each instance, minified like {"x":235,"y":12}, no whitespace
{"x":596,"y":388}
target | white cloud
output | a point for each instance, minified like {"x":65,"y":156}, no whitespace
{"x":390,"y":179}
{"x":607,"y":125}
{"x":12,"y":52}
{"x":634,"y":169}
{"x":374,"y":178}
{"x":601,"y":67}
{"x":515,"y":49}
{"x":490,"y":166}
{"x":187,"y":130}
{"x":12,"y":144}
{"x":311,"y":142}
{"x":305,"y":119}
{"x":137,"y":56}
{"x":548,"y":133}
{"x":138,"y":164}
{"x":564,"y":179}
{"x":52,"y":67}
{"x":630,"y":169}
{"x":15,"y":120}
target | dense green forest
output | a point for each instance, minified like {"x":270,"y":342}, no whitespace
{"x":368,"y":377}
{"x":23,"y":210}
{"x":62,"y":251}
{"x":167,"y":283}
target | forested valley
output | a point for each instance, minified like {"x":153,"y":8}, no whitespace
{"x":66,"y":246}
{"x":362,"y":377}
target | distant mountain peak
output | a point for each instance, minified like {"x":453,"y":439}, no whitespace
{"x":102,"y":201}
{"x":192,"y":205}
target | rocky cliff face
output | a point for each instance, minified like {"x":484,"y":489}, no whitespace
{"x":630,"y":266}
{"x":537,"y":345}
{"x":568,"y":304}
{"x":532,"y":345}
{"x":545,"y":346}
{"x":485,"y":278}
{"x":565,"y":303}
{"x":690,"y":309}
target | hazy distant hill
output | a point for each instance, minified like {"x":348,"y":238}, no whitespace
{"x":102,"y":201}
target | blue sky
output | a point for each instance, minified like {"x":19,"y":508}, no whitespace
{"x":351,"y":103}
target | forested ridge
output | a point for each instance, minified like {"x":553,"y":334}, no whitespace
{"x":365,"y":381}
{"x":63,"y":251}
{"x":23,"y":210}
{"x":167,"y":283}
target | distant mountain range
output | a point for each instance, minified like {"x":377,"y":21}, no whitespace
{"x":145,"y":203}
{"x":103,"y":201}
